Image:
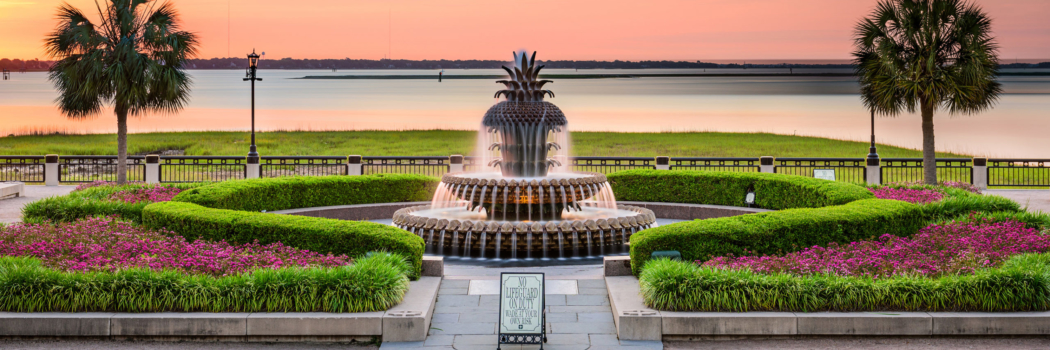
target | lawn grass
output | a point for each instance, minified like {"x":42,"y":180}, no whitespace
{"x":447,"y":142}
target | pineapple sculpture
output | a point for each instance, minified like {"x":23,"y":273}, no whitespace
{"x":524,"y":122}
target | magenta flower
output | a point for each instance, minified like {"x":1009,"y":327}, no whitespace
{"x":107,"y":244}
{"x":917,"y":196}
{"x":146,"y":194}
{"x":957,"y":247}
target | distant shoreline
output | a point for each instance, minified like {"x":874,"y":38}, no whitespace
{"x":607,"y":76}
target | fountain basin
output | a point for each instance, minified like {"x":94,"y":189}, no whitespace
{"x":461,"y":232}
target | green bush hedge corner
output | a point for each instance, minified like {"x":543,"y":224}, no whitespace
{"x":353,"y":238}
{"x":232,"y":211}
{"x":779,"y":231}
{"x":90,"y":202}
{"x":311,"y":191}
{"x":772,"y":191}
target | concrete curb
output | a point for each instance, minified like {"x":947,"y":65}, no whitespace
{"x":636,"y":322}
{"x":407,"y":321}
{"x":12,"y":189}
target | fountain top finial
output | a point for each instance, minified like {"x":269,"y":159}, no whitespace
{"x":523,"y":85}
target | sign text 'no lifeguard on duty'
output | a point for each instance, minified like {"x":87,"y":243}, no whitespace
{"x":521,"y":305}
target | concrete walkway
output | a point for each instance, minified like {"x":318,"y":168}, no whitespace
{"x":578,"y":316}
{"x":1034,"y":200}
{"x":11,"y":208}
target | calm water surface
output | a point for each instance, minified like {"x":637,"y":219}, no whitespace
{"x":819,"y":106}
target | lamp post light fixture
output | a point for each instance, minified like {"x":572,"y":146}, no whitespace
{"x":253,"y":65}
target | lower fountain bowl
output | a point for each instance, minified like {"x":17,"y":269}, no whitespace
{"x":461,"y":232}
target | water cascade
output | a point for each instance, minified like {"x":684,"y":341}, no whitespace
{"x":525,"y":190}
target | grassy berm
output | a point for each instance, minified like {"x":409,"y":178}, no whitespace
{"x":446,"y":142}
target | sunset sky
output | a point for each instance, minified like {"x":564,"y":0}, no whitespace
{"x":710,"y":30}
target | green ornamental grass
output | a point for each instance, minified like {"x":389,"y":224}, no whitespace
{"x":1020,"y":284}
{"x":372,"y":283}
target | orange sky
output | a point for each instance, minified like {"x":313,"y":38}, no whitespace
{"x":559,"y":29}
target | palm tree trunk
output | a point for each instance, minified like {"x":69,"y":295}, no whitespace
{"x":122,"y":145}
{"x":929,"y":154}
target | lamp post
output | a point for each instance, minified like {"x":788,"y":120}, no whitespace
{"x":253,"y":65}
{"x":872,"y":154}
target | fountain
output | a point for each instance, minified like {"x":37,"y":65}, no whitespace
{"x":524,"y":210}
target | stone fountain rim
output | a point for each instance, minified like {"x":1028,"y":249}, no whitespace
{"x":463,"y":178}
{"x":644,"y":217}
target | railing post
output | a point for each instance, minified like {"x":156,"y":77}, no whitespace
{"x":152,"y":169}
{"x":663,"y":163}
{"x":455,"y":163}
{"x":251,"y":169}
{"x":873,"y":171}
{"x":51,"y":173}
{"x":980,"y":173}
{"x":353,"y":166}
{"x":765,"y":164}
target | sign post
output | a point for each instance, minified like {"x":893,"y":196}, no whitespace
{"x":824,"y":174}
{"x":522,"y":302}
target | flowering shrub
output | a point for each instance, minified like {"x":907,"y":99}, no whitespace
{"x":146,"y":194}
{"x":958,"y":247}
{"x":918,"y":196}
{"x":962,"y":186}
{"x":96,"y":183}
{"x":107,"y":244}
{"x":951,"y":184}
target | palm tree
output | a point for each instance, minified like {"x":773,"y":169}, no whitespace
{"x":929,"y":55}
{"x":131,"y":60}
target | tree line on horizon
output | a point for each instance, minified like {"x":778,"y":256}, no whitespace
{"x":16,"y":65}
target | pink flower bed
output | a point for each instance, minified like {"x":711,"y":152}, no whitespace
{"x":95,"y":183}
{"x":107,"y":244}
{"x":147,"y":194}
{"x":918,"y":196}
{"x":954,"y":248}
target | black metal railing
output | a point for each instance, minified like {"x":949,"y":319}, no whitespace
{"x":607,"y":165}
{"x":845,"y":169}
{"x":430,"y":166}
{"x":903,"y":170}
{"x":99,"y":168}
{"x":1019,"y":172}
{"x":72,"y":169}
{"x":302,"y":165}
{"x":202,"y":168}
{"x":22,"y":168}
{"x":750,"y":165}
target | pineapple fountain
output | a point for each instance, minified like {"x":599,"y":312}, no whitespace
{"x":533,"y":206}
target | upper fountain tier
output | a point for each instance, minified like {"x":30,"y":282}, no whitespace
{"x":524,"y":121}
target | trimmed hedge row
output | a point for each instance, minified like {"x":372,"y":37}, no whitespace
{"x":772,"y":191}
{"x":353,"y":238}
{"x":90,"y":202}
{"x":311,"y":191}
{"x":373,"y":283}
{"x":1020,"y":284}
{"x":229,"y":211}
{"x":778,"y":232}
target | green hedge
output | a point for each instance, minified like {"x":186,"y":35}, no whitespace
{"x":90,"y":202}
{"x":373,"y":283}
{"x":779,"y":231}
{"x":353,"y":238}
{"x":1021,"y":284}
{"x":772,"y":191}
{"x":311,"y":191}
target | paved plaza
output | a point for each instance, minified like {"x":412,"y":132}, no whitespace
{"x":577,"y":305}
